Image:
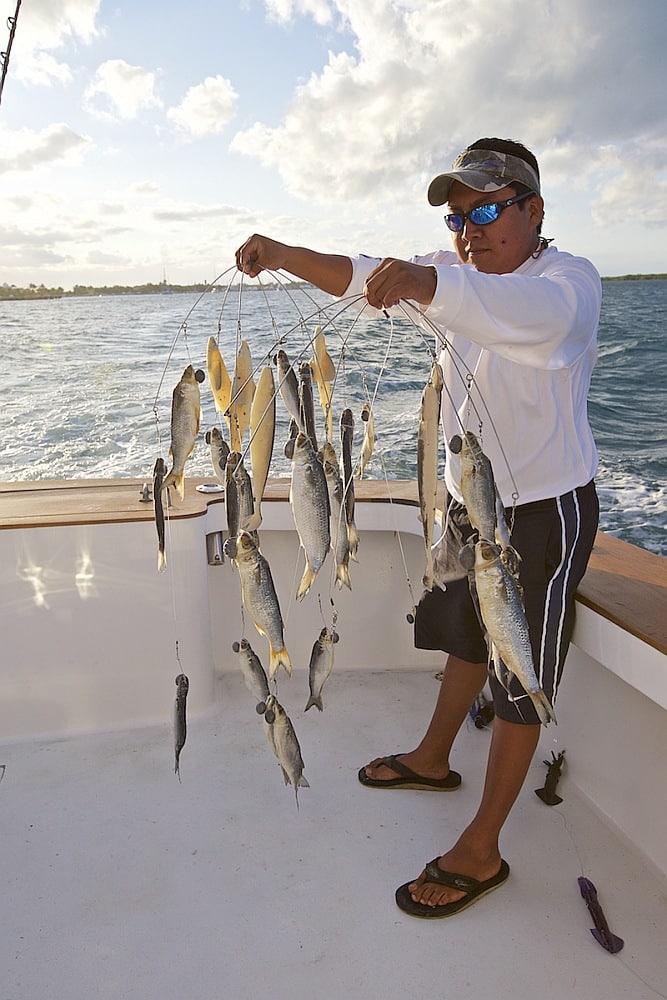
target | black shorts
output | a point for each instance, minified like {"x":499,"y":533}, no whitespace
{"x":554,"y":539}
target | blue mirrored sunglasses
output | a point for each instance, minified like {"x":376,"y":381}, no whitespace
{"x":483,"y":214}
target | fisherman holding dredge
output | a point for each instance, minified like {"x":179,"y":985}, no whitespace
{"x":517,"y":322}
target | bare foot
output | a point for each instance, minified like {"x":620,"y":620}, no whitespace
{"x":460,"y":861}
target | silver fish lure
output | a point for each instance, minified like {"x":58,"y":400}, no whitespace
{"x":239,"y":502}
{"x":321,"y":665}
{"x":180,"y":722}
{"x":259,"y":597}
{"x":340,"y":544}
{"x":288,"y":387}
{"x":502,"y":611}
{"x":159,"y":471}
{"x":185,"y":416}
{"x":346,"y":441}
{"x":283,"y":741}
{"x":482,"y":500}
{"x":427,"y":463}
{"x":368,"y":444}
{"x":307,"y":403}
{"x":253,"y":672}
{"x":478,"y":486}
{"x":219,"y":450}
{"x":309,"y":500}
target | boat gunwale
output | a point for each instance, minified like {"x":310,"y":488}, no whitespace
{"x":625,"y":584}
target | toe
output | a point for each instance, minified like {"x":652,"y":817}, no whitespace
{"x":378,"y":770}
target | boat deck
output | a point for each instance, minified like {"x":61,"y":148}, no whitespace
{"x":119,"y":882}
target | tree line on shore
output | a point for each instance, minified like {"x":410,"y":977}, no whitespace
{"x":42,"y":292}
{"x":8,"y":292}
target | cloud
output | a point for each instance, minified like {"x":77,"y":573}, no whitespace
{"x":635,"y":187}
{"x":121,"y":90}
{"x":99,"y":257}
{"x":47,"y":25}
{"x":27,"y":150}
{"x":285,"y":10}
{"x":189,"y":212}
{"x":206,"y":109}
{"x":423,"y":79}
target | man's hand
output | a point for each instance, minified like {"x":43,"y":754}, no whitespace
{"x":259,"y":253}
{"x":393,"y":280}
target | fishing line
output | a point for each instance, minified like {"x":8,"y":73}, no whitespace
{"x":397,"y":533}
{"x":183,"y":328}
{"x":255,"y":369}
{"x":467,"y":378}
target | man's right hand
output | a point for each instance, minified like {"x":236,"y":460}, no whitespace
{"x":259,"y":253}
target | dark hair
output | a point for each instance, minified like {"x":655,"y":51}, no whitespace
{"x":512,"y":148}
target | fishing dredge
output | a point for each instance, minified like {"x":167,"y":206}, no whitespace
{"x":321,"y":499}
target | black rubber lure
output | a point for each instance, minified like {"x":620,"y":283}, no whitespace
{"x":548,"y":793}
{"x":601,"y":931}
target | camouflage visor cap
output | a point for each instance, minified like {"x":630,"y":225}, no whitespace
{"x":483,"y":170}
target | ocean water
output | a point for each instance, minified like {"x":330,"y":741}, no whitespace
{"x":88,"y":382}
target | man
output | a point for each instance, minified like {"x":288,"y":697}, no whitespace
{"x":517,"y":322}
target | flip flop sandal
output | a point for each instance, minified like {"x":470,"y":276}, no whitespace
{"x":473,"y":888}
{"x":409,"y":778}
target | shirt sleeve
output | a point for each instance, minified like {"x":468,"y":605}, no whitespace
{"x":362,"y":266}
{"x":545,"y":320}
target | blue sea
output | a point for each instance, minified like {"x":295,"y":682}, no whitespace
{"x":88,"y":382}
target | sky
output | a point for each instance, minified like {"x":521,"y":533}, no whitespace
{"x":143,"y":140}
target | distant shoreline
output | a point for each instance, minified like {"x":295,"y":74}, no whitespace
{"x":40,"y":292}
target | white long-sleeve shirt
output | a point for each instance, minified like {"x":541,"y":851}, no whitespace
{"x":517,"y":353}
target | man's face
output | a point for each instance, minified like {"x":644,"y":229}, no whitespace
{"x":501,"y":246}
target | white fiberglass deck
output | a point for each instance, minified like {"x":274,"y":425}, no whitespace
{"x":118,"y":882}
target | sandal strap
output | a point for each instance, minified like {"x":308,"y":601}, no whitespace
{"x":399,"y":767}
{"x":465,"y":883}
